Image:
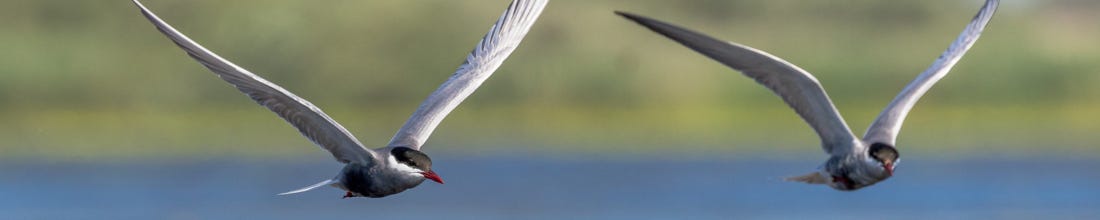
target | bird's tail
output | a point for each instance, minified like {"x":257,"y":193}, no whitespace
{"x":311,"y":187}
{"x":810,"y":178}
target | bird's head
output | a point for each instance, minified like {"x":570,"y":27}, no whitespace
{"x":415,"y":162}
{"x":887,"y":156}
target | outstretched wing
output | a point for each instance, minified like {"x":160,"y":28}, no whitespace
{"x":489,"y":54}
{"x":310,"y":120}
{"x":885,"y":128}
{"x":796,"y":86}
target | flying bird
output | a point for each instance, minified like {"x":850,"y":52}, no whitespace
{"x":400,"y":165}
{"x":853,"y":163}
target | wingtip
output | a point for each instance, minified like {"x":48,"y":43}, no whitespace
{"x":628,"y":15}
{"x":145,"y":11}
{"x":990,"y":7}
{"x":649,"y":23}
{"x":658,"y":26}
{"x":138,"y":3}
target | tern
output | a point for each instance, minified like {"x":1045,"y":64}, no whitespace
{"x":400,"y":165}
{"x":853,"y":163}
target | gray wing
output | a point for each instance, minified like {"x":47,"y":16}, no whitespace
{"x":885,"y":128}
{"x":501,"y":40}
{"x":796,"y":86}
{"x":309,"y":119}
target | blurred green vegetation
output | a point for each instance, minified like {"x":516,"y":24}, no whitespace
{"x":93,"y":79}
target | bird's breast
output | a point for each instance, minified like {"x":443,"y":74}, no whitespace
{"x":375,"y":182}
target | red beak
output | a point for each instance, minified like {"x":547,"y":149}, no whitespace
{"x":889,"y":168}
{"x":432,"y":176}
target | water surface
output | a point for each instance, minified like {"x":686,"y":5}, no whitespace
{"x":540,"y":188}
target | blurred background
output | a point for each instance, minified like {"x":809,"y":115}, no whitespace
{"x":593,"y":116}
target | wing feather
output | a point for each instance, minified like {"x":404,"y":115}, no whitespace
{"x":885,"y":128}
{"x":303,"y":115}
{"x":489,"y":54}
{"x":800,"y":90}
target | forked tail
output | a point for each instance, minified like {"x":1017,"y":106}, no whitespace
{"x":311,"y":187}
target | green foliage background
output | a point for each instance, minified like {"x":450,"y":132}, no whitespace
{"x":94,"y":80}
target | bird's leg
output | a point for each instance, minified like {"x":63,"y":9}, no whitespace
{"x":348,"y":195}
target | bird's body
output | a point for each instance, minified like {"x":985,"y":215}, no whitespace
{"x":853,"y":171}
{"x":375,"y":181}
{"x":400,"y":165}
{"x":854,"y":163}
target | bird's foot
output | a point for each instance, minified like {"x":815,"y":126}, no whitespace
{"x":348,"y":195}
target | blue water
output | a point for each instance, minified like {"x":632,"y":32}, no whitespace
{"x":540,"y":188}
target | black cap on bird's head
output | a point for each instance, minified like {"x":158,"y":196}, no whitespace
{"x":885,"y":154}
{"x":416,"y":159}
